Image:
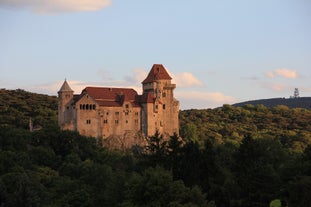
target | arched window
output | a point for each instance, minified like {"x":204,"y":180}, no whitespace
{"x":87,"y":107}
{"x":94,"y":106}
{"x":83,"y":106}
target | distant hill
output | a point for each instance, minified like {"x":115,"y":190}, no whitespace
{"x":301,"y":102}
{"x":18,"y":107}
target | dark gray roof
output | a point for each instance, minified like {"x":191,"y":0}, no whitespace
{"x":65,"y":87}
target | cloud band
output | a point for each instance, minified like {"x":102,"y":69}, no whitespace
{"x":56,"y":6}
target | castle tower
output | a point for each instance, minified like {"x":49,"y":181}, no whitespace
{"x":160,"y":108}
{"x":65,"y":96}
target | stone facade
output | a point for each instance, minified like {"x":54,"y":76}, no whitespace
{"x":108,"y":113}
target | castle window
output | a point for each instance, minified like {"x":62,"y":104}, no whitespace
{"x":87,"y":107}
{"x":107,"y":113}
{"x":80,"y":106}
{"x":88,"y":121}
{"x":136,"y":113}
{"x":83,"y":106}
{"x":105,"y":121}
{"x":126,"y":113}
{"x":163,"y":106}
{"x":126,"y":121}
{"x":126,"y":106}
{"x":94,"y":106}
{"x":116,"y":121}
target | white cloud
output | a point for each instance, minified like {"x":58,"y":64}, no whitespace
{"x":283,"y":72}
{"x":55,"y":6}
{"x":53,"y":88}
{"x":276,"y":86}
{"x":137,"y":76}
{"x":286,"y":73}
{"x":77,"y":86}
{"x":186,"y":79}
{"x":197,"y":99}
{"x":270,"y":74}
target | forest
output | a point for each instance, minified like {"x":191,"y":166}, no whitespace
{"x":228,"y":156}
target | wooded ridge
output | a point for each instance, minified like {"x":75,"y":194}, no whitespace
{"x":228,"y":156}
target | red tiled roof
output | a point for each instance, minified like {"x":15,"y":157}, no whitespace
{"x":112,"y":96}
{"x":110,"y":93}
{"x":157,"y":72}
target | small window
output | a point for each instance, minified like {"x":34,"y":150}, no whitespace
{"x":105,"y":121}
{"x":116,"y":121}
{"x":80,"y":106}
{"x":136,"y":113}
{"x":126,"y":106}
{"x":163,"y":106}
{"x":67,"y":107}
{"x":164,"y":94}
{"x":88,"y":121}
{"x":126,"y":121}
{"x":126,"y":113}
{"x":94,"y":106}
{"x":87,"y":107}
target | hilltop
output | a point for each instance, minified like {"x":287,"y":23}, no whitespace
{"x":300,"y":102}
{"x":18,"y":106}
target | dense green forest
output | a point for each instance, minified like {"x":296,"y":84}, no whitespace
{"x":291,"y":127}
{"x":228,"y":156}
{"x":17,"y":107}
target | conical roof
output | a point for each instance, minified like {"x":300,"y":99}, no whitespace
{"x":157,"y":72}
{"x":65,"y":87}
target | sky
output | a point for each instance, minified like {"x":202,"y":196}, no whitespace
{"x":217,"y":52}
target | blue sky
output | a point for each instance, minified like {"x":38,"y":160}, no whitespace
{"x":216,"y":51}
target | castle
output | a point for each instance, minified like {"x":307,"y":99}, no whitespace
{"x":105,"y":112}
